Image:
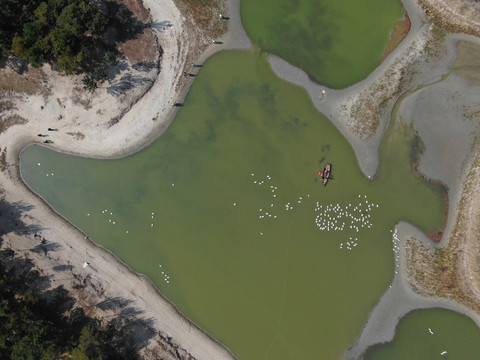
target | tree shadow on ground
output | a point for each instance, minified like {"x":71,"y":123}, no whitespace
{"x":23,"y":269}
{"x":135,"y":331}
{"x":145,"y":66}
{"x":11,"y":218}
{"x":45,"y":248}
{"x":59,"y":298}
{"x":125,"y":83}
{"x":160,"y":26}
{"x":18,"y":65}
{"x":114,"y":303}
{"x":60,"y":268}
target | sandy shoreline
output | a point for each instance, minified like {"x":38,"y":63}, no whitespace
{"x":108,"y":277}
{"x":112,"y":278}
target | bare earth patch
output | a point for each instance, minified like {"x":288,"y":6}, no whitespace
{"x":81,"y":97}
{"x":141,"y":49}
{"x":467,"y":62}
{"x":137,"y":8}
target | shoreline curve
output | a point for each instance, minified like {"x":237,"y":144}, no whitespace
{"x":112,"y":275}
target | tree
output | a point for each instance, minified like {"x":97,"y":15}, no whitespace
{"x":64,"y":32}
{"x":19,"y":47}
{"x":111,"y":58}
{"x":33,"y":32}
{"x":36,"y":56}
{"x":123,"y":14}
{"x":89,"y":83}
{"x":98,"y":24}
{"x":23,"y":350}
{"x":70,"y":64}
{"x":100,"y":74}
{"x":73,"y":17}
{"x":42,"y":14}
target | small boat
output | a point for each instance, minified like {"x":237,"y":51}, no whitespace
{"x":326,"y":174}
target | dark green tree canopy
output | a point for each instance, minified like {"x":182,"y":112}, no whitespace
{"x":62,"y":32}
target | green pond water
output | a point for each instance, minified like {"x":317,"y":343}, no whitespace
{"x":225,"y":213}
{"x":427,"y":334}
{"x":337,"y":42}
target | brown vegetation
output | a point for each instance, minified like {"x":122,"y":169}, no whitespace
{"x":10,"y":120}
{"x":143,"y":48}
{"x":437,"y":234}
{"x":454,"y":15}
{"x":202,"y":24}
{"x":13,"y":84}
{"x":205,"y":15}
{"x":452,"y":272}
{"x":399,"y":32}
{"x":30,"y":84}
{"x":373,"y":102}
{"x":137,"y":8}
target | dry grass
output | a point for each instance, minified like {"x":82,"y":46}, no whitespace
{"x":143,"y":48}
{"x":203,"y":23}
{"x":205,"y":15}
{"x":137,"y":8}
{"x":31,"y":83}
{"x":11,"y":120}
{"x":373,"y":102}
{"x":6,"y":105}
{"x":452,"y":272}
{"x":13,"y":84}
